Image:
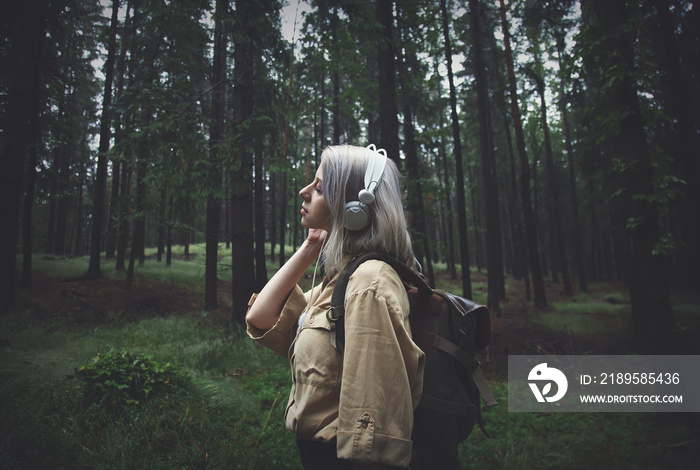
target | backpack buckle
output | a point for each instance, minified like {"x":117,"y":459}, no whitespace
{"x":333,"y":317}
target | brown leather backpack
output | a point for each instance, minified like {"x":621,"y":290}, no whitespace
{"x":450,"y":330}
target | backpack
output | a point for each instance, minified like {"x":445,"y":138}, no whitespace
{"x":450,"y":330}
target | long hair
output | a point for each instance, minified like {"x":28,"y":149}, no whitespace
{"x":343,"y":169}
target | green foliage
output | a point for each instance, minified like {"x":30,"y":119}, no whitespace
{"x":235,"y":420}
{"x":588,"y":314}
{"x":219,"y":416}
{"x":228,"y":409}
{"x":479,"y":285}
{"x":571,"y":440}
{"x":124,"y":379}
{"x":269,"y":385}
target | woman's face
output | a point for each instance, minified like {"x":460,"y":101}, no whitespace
{"x":315,"y":212}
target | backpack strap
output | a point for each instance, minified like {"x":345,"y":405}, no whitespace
{"x":483,"y":386}
{"x":335,"y":314}
{"x":336,"y":311}
{"x":482,"y":336}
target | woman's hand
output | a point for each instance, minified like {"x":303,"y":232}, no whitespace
{"x":263,"y":314}
{"x":316,"y":239}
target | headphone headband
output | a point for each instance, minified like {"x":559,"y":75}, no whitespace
{"x":375,"y":167}
{"x":357,"y":213}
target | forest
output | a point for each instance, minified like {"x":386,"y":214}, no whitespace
{"x":546,"y":140}
{"x":551,"y":145}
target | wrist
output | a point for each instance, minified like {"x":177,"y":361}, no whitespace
{"x":311,"y":249}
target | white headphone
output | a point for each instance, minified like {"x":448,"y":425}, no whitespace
{"x":357,"y":213}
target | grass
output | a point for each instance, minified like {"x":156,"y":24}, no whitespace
{"x":181,"y":270}
{"x":214,"y":422}
{"x":478,"y":282}
{"x":229,"y":413}
{"x":587,"y":314}
{"x":573,"y":440}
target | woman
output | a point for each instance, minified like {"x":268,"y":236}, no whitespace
{"x":352,"y":409}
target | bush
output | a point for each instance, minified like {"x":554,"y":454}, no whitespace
{"x":123,"y":379}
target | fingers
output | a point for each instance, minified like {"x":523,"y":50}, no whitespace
{"x":317,"y":235}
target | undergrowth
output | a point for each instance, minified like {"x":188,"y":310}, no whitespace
{"x":576,"y":440}
{"x":121,"y":398}
{"x":220,"y":404}
{"x":122,"y":379}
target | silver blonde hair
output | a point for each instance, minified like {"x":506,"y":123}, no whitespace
{"x":343,"y":169}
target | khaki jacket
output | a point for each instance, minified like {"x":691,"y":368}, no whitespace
{"x":366,"y":396}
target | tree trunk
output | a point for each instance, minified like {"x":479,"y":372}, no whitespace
{"x":283,"y":218}
{"x":123,"y":209}
{"x":520,"y":270}
{"x":260,"y":265}
{"x":162,"y":221}
{"x":79,"y":236}
{"x":169,"y":246}
{"x":141,"y":190}
{"x":652,"y":316}
{"x":138,"y":236}
{"x":63,"y":155}
{"x":111,"y":239}
{"x":94,"y":270}
{"x":449,"y":216}
{"x":578,"y":240}
{"x":335,"y":77}
{"x":478,"y":238}
{"x":595,"y":239}
{"x":50,"y":230}
{"x":461,"y":203}
{"x":540,"y":298}
{"x":32,"y":159}
{"x":517,"y":235}
{"x":559,"y":246}
{"x":27,"y":25}
{"x":683,"y":148}
{"x":273,"y":213}
{"x":494,"y":255}
{"x":124,"y":213}
{"x":215,"y":140}
{"x":415,"y":198}
{"x":243,"y":261}
{"x":227,"y":211}
{"x":388,"y":112}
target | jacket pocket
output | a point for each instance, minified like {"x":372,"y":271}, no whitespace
{"x":315,"y":361}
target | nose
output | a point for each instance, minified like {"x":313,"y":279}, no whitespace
{"x":305,"y":192}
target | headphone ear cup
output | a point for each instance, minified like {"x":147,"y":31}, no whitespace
{"x":356,"y":216}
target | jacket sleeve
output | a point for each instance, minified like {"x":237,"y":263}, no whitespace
{"x":279,"y":338}
{"x":382,"y":377}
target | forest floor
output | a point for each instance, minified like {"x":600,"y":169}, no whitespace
{"x":515,"y":329}
{"x":102,"y":313}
